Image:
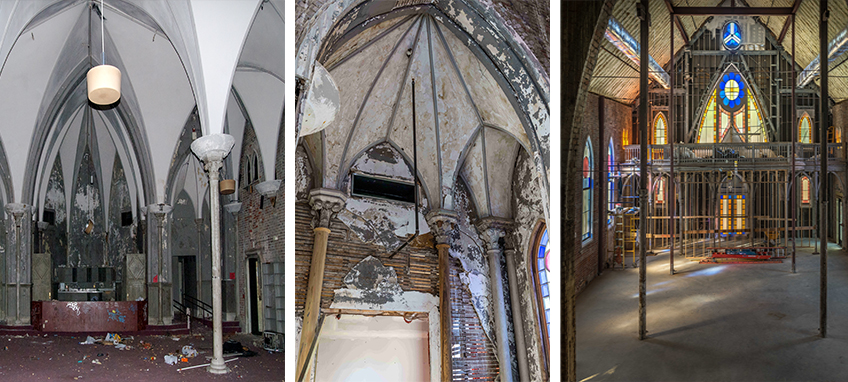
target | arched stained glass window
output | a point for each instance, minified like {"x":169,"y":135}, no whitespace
{"x":610,"y":180}
{"x":804,"y":129}
{"x":805,"y":190}
{"x":542,"y":270}
{"x":588,"y":169}
{"x":660,"y":130}
{"x":660,"y":194}
{"x":732,"y":114}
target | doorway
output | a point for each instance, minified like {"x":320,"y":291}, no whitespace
{"x":187,"y":273}
{"x":839,"y":221}
{"x":254,"y":295}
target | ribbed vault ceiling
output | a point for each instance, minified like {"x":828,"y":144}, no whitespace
{"x":466,"y":125}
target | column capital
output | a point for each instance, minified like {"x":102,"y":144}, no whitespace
{"x":442,"y":224}
{"x":17,"y":209}
{"x":212,"y":148}
{"x":491,"y":229}
{"x":158,"y":209}
{"x":326,"y":203}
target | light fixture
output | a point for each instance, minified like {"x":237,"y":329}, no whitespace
{"x":104,"y":81}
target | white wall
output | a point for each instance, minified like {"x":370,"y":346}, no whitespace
{"x":359,"y":348}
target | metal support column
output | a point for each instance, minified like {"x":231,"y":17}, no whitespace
{"x":671,"y":136}
{"x":643,"y":160}
{"x":794,"y":127}
{"x":825,"y":112}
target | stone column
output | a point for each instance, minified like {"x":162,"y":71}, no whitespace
{"x":515,"y":300}
{"x":491,"y":230}
{"x":159,"y":293}
{"x":231,"y":301}
{"x":18,"y":261}
{"x":211,"y":150}
{"x":326,"y":204}
{"x":442,"y":225}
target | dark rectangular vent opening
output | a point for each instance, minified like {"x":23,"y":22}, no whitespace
{"x":383,"y":188}
{"x":126,"y":219}
{"x":49,"y":217}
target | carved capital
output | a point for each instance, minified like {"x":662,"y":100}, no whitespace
{"x":491,"y":230}
{"x":17,"y":209}
{"x":442,"y":224}
{"x":326,"y":203}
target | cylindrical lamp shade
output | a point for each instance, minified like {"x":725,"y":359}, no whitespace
{"x":104,"y":84}
{"x":227,"y":186}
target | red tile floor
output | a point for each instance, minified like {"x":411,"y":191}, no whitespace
{"x":62,"y":358}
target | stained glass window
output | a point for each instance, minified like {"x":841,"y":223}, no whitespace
{"x":732,"y":113}
{"x":804,"y":132}
{"x":543,"y":271}
{"x":805,"y":190}
{"x":610,"y":179}
{"x":660,"y":131}
{"x":588,"y":168}
{"x":660,"y":197}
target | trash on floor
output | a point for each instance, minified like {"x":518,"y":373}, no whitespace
{"x":171,"y":360}
{"x":96,"y":362}
{"x":189,"y":351}
{"x":88,"y":341}
{"x":114,"y":338}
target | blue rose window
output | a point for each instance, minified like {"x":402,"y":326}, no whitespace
{"x":732,"y":90}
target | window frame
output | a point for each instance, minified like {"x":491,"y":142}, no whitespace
{"x":657,"y":118}
{"x":588,"y":189}
{"x":542,"y":325}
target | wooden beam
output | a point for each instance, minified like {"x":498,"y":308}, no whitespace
{"x":738,"y":11}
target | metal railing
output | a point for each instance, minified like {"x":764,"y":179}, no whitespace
{"x":196,"y":306}
{"x":733,"y":152}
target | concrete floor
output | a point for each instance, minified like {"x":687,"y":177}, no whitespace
{"x":716,"y":323}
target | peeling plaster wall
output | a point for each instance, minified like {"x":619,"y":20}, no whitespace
{"x":382,"y":222}
{"x":121,"y":238}
{"x":345,"y":249}
{"x":86,"y":205}
{"x":55,"y":237}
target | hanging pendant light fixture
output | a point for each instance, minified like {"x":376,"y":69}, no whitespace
{"x":104,"y":81}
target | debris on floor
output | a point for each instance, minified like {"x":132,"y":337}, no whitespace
{"x":171,"y":359}
{"x":88,"y":341}
{"x":189,"y":351}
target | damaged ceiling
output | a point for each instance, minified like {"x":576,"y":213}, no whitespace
{"x":466,"y":125}
{"x":617,"y":77}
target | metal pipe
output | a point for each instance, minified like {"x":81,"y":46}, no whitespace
{"x":643,"y":161}
{"x":618,"y":36}
{"x":414,"y":182}
{"x":825,"y":112}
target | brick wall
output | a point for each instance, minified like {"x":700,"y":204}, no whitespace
{"x":261,"y":224}
{"x":616,"y":118}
